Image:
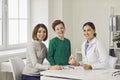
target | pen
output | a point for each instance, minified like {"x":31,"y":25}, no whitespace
{"x":71,"y":67}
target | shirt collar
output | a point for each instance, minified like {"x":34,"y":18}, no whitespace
{"x":92,"y":41}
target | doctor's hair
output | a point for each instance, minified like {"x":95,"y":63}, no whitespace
{"x":56,"y":22}
{"x":91,"y":25}
{"x":35,"y":30}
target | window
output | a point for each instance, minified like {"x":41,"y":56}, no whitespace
{"x":0,"y":22}
{"x":14,"y":23}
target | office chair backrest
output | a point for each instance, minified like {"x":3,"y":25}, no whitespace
{"x":112,"y":62}
{"x":17,"y":66}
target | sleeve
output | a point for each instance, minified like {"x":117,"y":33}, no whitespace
{"x":33,"y":57}
{"x":102,"y":56}
{"x":69,"y":47}
{"x":51,"y":53}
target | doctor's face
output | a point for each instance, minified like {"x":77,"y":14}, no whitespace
{"x":88,"y":32}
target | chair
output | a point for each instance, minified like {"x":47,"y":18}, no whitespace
{"x":17,"y":66}
{"x":112,"y":62}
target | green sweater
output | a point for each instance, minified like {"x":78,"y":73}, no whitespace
{"x":59,"y":51}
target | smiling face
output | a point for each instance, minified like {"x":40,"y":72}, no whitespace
{"x":88,"y":32}
{"x":41,"y":34}
{"x":60,"y":29}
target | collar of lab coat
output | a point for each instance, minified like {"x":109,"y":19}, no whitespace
{"x":93,"y":41}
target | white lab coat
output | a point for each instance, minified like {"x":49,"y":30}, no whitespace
{"x":95,"y":55}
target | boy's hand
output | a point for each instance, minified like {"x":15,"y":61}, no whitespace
{"x":72,"y":61}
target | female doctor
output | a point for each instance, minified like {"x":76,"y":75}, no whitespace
{"x":93,"y":53}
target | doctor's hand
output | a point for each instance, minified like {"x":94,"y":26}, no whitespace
{"x":55,"y":67}
{"x":87,"y":67}
{"x":73,"y":62}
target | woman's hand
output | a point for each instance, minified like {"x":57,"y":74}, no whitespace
{"x":73,"y":62}
{"x":87,"y":67}
{"x":55,"y":67}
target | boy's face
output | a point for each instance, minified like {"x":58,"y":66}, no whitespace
{"x":60,"y":29}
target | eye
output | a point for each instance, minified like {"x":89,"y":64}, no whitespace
{"x":84,"y":30}
{"x":62,"y":27}
{"x":44,"y":31}
{"x":89,"y":29}
{"x":57,"y":29}
{"x":39,"y":31}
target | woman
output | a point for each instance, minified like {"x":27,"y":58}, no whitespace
{"x":59,"y":47}
{"x":37,"y":52}
{"x":93,"y":53}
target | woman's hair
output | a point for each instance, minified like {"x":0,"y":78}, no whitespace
{"x":35,"y":30}
{"x":56,"y":22}
{"x":91,"y":25}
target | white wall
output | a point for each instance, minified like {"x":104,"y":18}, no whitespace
{"x":61,"y":9}
{"x":68,"y":19}
{"x":54,"y":12}
{"x":75,"y":13}
{"x":38,"y":14}
{"x":56,"y":9}
{"x":97,"y":11}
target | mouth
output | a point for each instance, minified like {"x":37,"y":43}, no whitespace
{"x":41,"y":36}
{"x":86,"y":35}
{"x":61,"y":32}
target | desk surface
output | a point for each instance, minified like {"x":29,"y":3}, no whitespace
{"x":79,"y":73}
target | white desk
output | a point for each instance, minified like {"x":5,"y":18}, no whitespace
{"x":51,"y":78}
{"x":79,"y":73}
